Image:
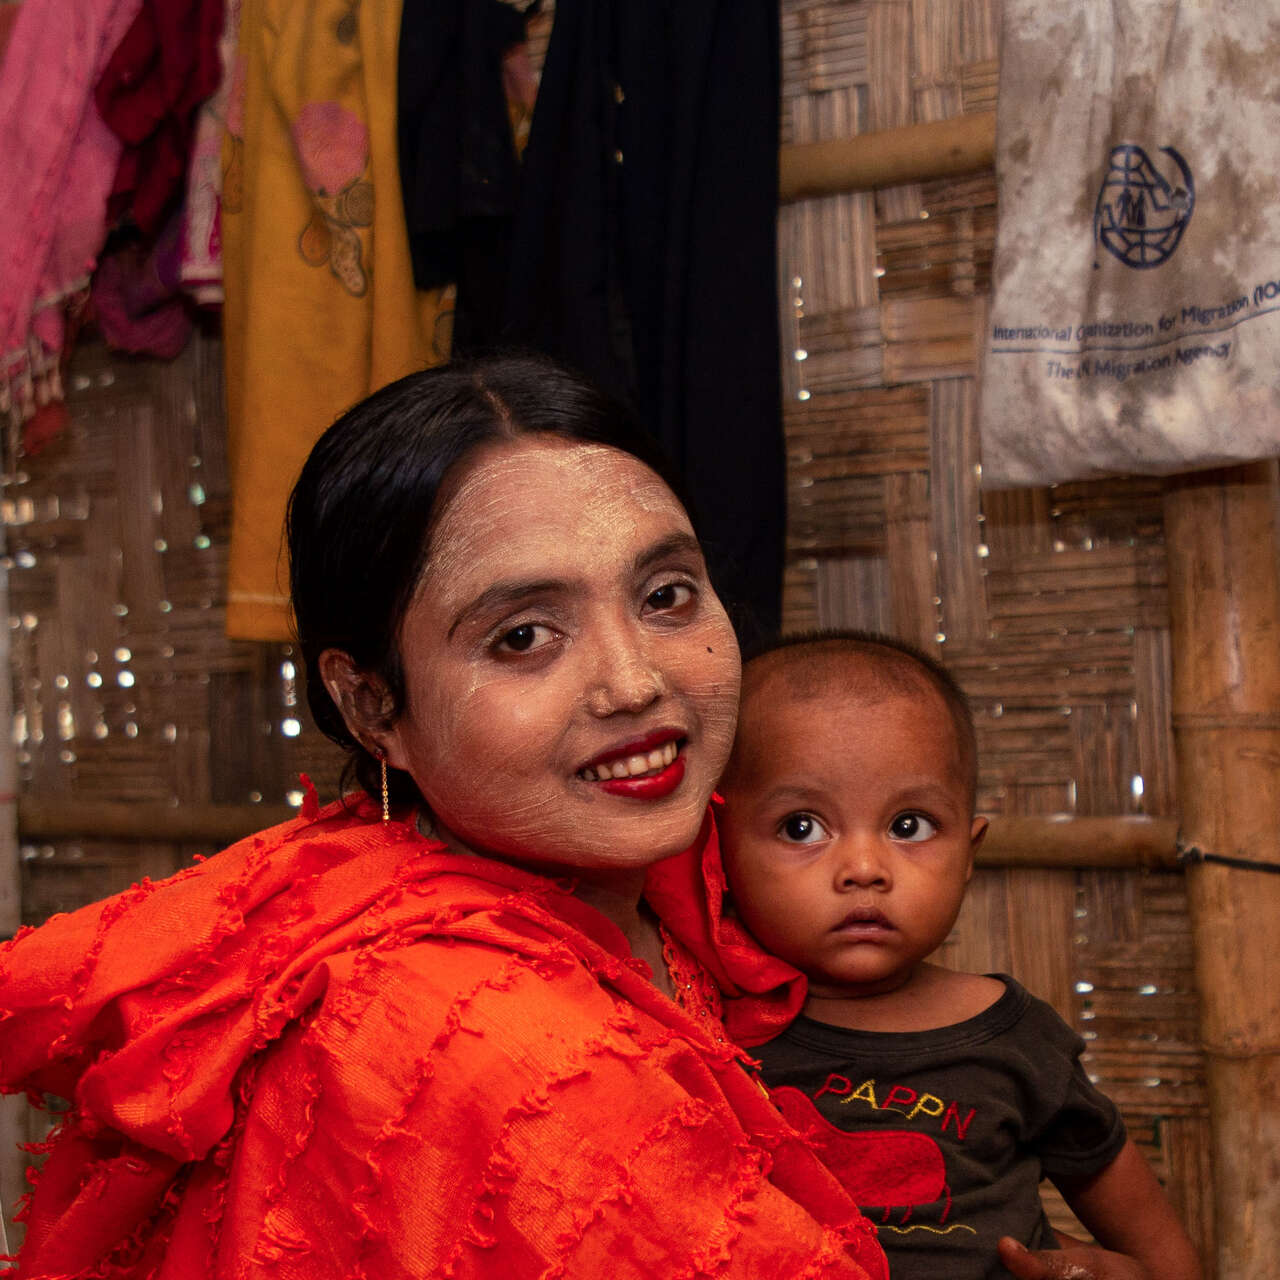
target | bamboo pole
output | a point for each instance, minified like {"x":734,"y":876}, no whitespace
{"x":215,"y":824}
{"x":1124,"y":843}
{"x":913,"y":153}
{"x":1010,"y":842}
{"x":1224,"y":588}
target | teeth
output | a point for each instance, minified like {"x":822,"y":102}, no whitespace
{"x":633,"y":766}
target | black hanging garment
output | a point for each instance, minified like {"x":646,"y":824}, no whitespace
{"x":644,"y":253}
{"x":459,"y":174}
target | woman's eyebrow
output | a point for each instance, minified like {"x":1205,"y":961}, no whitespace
{"x":502,"y":594}
{"x":679,"y":543}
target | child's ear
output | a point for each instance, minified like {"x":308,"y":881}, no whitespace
{"x":977,"y":833}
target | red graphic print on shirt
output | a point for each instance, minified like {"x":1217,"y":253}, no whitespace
{"x":890,"y":1169}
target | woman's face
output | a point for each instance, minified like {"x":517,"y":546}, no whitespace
{"x":571,"y":678}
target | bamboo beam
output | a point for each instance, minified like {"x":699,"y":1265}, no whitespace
{"x":1020,"y":842}
{"x":1221,"y":538}
{"x":215,"y":824}
{"x":888,"y":158}
{"x":1150,"y":843}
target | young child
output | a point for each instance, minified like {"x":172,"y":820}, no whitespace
{"x":940,"y":1098}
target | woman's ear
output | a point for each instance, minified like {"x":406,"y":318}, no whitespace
{"x":363,"y":698}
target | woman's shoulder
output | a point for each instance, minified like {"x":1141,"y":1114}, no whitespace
{"x":224,"y":955}
{"x":145,"y":930}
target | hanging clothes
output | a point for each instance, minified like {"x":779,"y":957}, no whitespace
{"x":320,"y":306}
{"x":59,"y":165}
{"x":137,"y":301}
{"x":458,"y":165}
{"x":8,"y":16}
{"x":200,"y":271}
{"x":645,"y":252}
{"x":149,"y":94}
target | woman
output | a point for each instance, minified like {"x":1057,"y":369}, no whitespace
{"x":445,"y":1034}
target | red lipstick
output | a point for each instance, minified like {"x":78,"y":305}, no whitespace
{"x":652,"y":786}
{"x":636,"y":747}
{"x":649,"y":785}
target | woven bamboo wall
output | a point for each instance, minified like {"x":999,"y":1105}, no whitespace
{"x":125,"y":687}
{"x":1049,"y":605}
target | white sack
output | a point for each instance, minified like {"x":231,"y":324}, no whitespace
{"x":1135,"y":318}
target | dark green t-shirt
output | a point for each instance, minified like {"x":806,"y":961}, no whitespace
{"x":942,"y":1136}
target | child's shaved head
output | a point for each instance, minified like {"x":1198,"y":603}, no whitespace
{"x":864,"y":666}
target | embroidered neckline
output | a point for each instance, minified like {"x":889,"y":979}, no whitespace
{"x":695,"y":989}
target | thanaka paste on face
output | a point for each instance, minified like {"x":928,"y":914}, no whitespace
{"x":495,"y":741}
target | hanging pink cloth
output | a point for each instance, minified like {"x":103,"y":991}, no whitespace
{"x":149,"y":93}
{"x":59,"y":165}
{"x":201,"y":269}
{"x":8,"y":16}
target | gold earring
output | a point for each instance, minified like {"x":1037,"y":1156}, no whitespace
{"x":386,"y":795}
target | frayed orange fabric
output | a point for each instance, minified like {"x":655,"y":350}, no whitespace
{"x":338,"y":1051}
{"x":763,"y":995}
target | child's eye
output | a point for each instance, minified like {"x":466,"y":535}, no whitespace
{"x":802,"y":828}
{"x":525,"y":638}
{"x":669,"y":596}
{"x":912,"y":826}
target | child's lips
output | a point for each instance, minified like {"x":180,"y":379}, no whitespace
{"x":865,"y":922}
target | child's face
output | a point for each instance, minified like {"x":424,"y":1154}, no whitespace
{"x":848,"y":833}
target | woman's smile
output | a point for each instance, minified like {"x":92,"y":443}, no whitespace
{"x":646,"y":756}
{"x":644,"y":779}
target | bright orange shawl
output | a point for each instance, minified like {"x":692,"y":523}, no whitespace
{"x":337,"y":1050}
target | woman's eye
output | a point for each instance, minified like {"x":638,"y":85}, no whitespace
{"x":912,"y":826}
{"x":525,"y":638}
{"x":801,"y":828}
{"x":672,"y":595}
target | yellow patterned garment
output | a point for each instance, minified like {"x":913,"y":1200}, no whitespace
{"x":320,"y":304}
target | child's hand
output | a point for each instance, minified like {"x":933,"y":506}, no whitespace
{"x":1072,"y":1262}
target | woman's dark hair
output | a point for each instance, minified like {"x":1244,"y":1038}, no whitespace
{"x":360,"y":516}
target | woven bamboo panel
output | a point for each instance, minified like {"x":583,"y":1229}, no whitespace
{"x":1051,"y":606}
{"x":125,"y":687}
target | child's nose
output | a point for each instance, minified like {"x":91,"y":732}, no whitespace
{"x":862,"y":865}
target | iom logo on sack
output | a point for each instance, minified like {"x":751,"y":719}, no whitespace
{"x":1143,"y":209}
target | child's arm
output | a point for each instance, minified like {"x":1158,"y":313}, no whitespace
{"x":1125,"y":1209}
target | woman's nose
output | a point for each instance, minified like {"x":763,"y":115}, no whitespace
{"x":626,"y":676}
{"x":861,"y":865}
